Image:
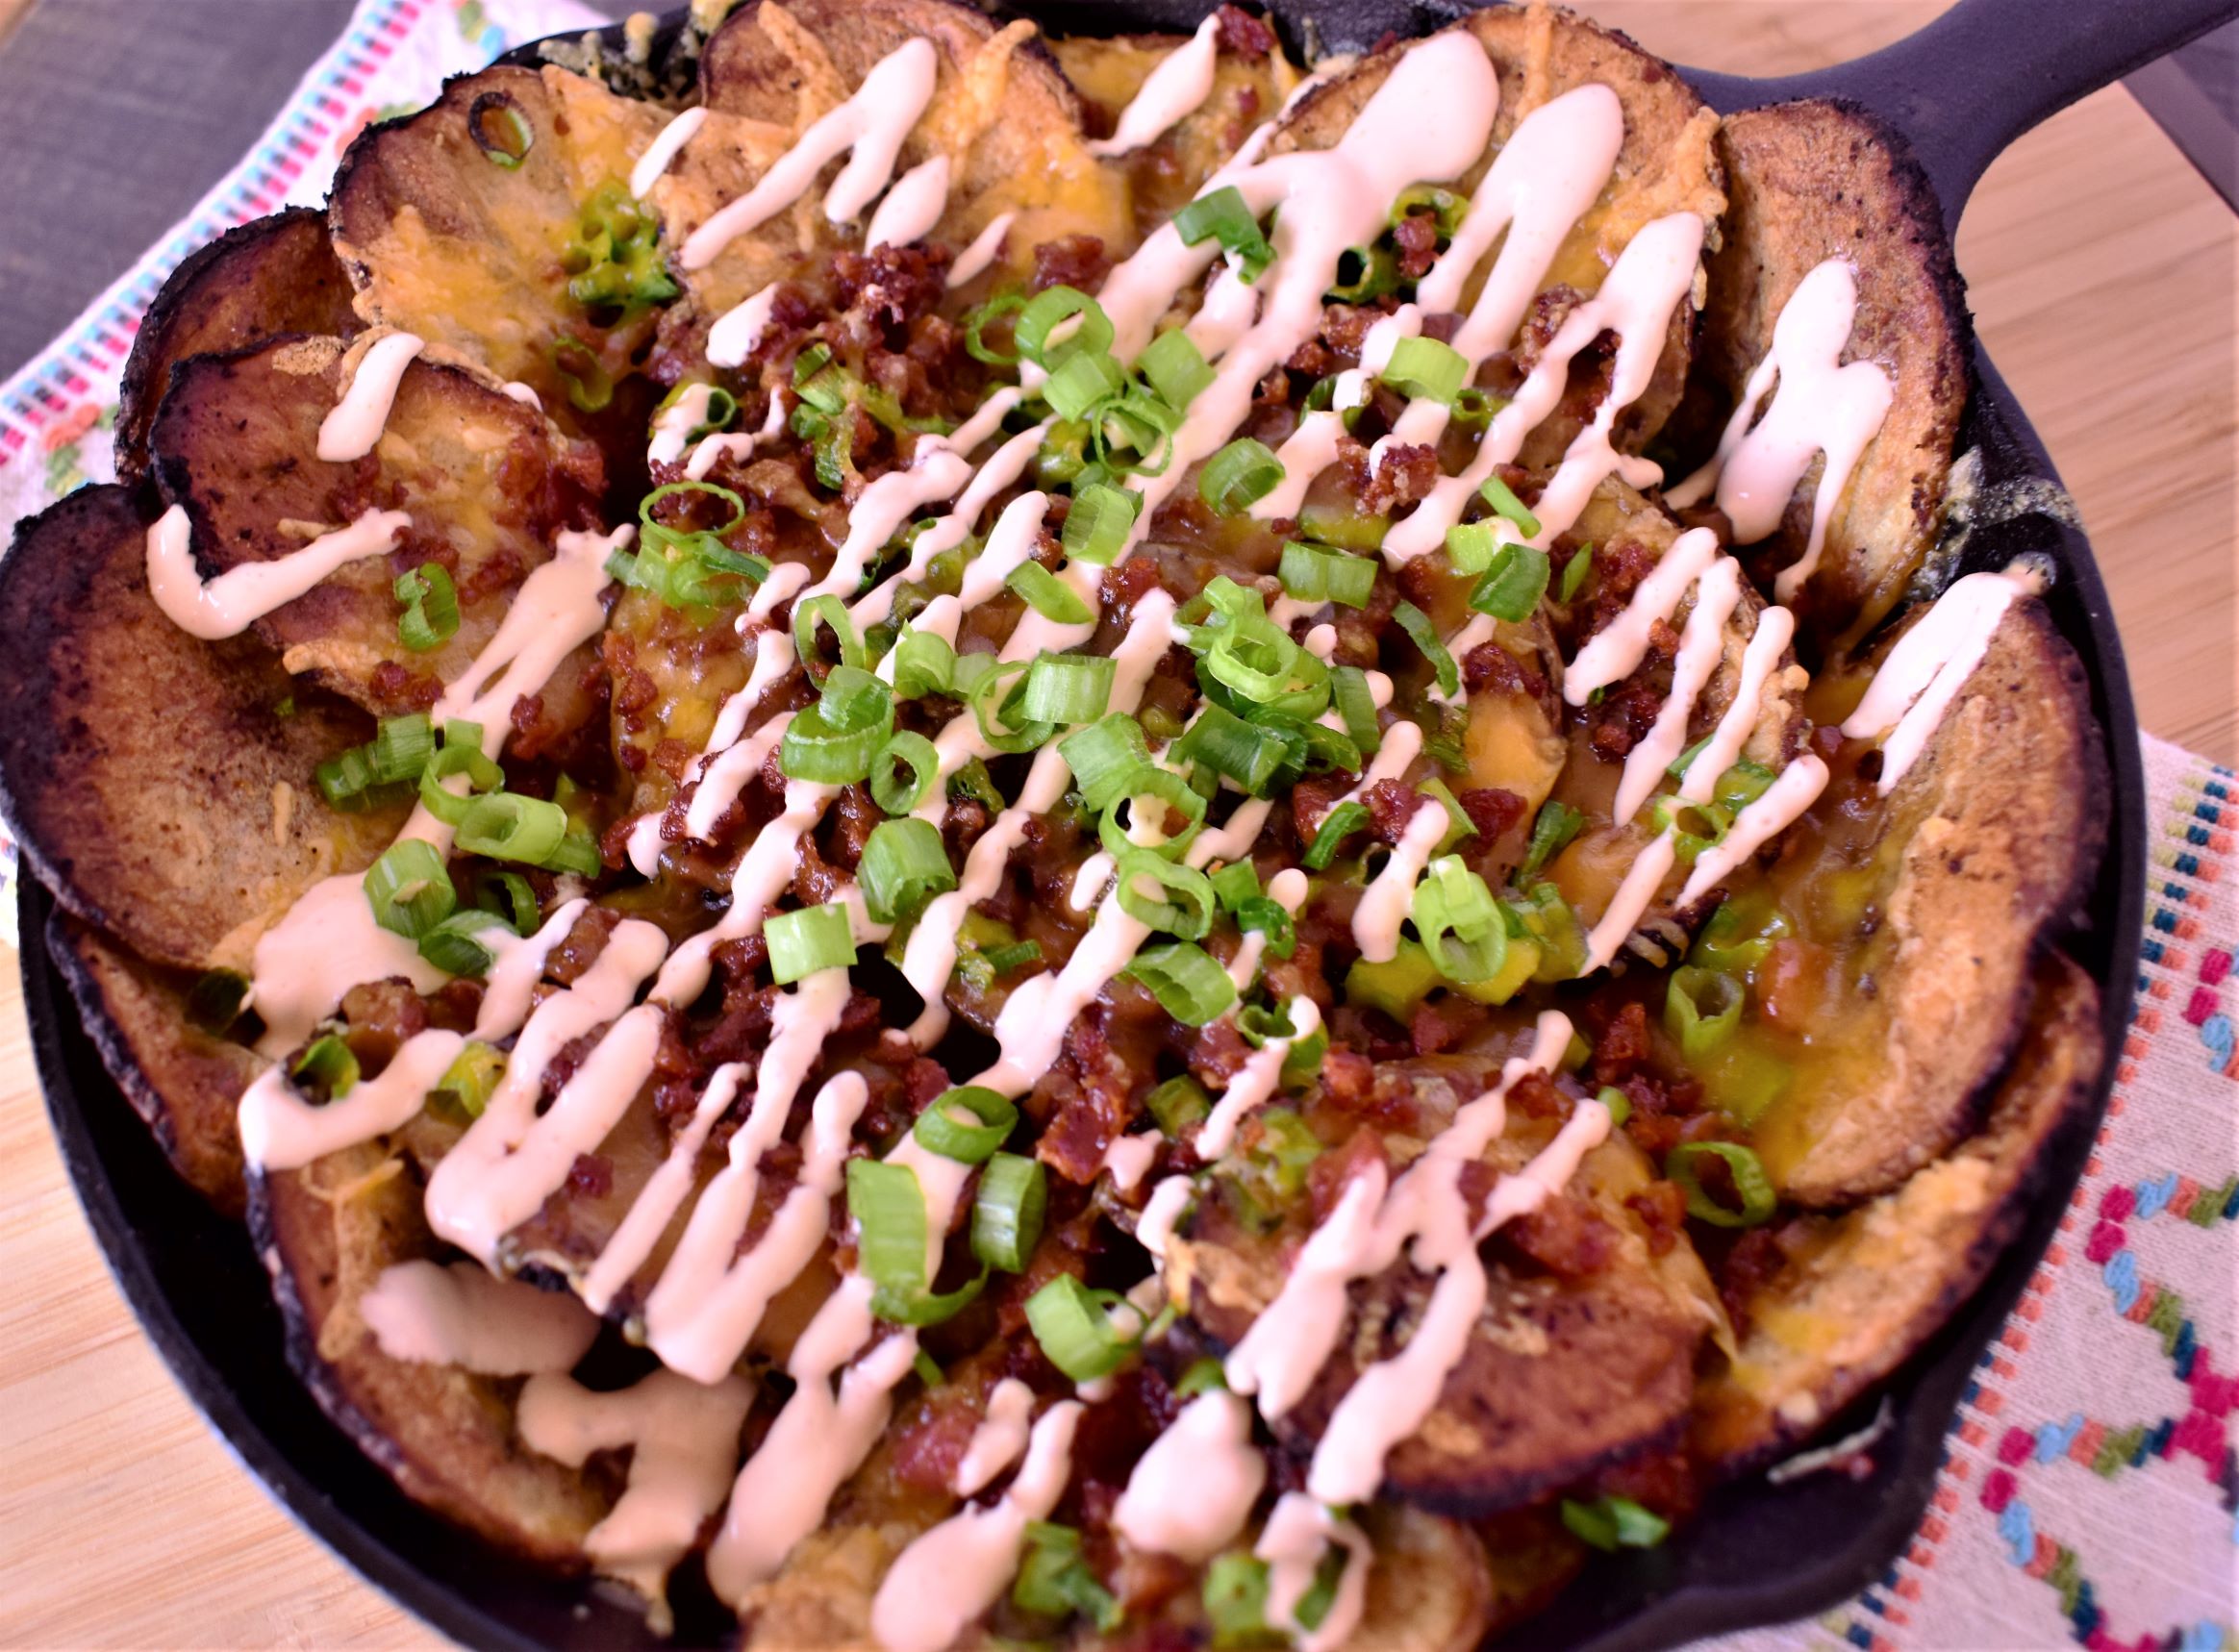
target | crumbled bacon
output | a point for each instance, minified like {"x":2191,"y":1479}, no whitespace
{"x":1626,"y":715}
{"x":1490,"y":808}
{"x":1564,"y":1235}
{"x":1329,"y":1176}
{"x":1072,"y":261}
{"x":580,"y":948}
{"x":1662,"y":1208}
{"x":1392,"y":804}
{"x":1243,"y":34}
{"x":1403,"y":474}
{"x":1417,"y":238}
{"x":1622,"y":1046}
{"x":592,"y":1176}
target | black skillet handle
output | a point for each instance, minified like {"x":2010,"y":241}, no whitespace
{"x":1986,"y":71}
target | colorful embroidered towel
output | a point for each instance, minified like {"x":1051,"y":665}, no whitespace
{"x":2089,"y":1492}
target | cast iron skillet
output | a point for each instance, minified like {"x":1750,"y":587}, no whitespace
{"x":1961,"y":90}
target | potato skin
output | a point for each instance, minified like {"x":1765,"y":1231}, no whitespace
{"x":1868,"y":1288}
{"x":148,"y":777}
{"x":278,"y":274}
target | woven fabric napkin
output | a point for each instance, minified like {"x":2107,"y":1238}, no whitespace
{"x":2089,"y":1492}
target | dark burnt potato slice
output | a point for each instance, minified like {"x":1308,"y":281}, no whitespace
{"x":1667,"y":164}
{"x":275,"y":275}
{"x":1910,"y":924}
{"x":1809,"y":181}
{"x":1827,"y":1305}
{"x":457,"y":224}
{"x":1001,"y":112}
{"x":445,"y":1435}
{"x":487,"y":481}
{"x":183,"y":1080}
{"x":1582,"y":1355}
{"x":160,"y":786}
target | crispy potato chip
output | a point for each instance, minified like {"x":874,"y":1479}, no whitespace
{"x":160,"y":786}
{"x":275,"y":275}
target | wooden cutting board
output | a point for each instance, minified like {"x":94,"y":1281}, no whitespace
{"x":2102,"y":273}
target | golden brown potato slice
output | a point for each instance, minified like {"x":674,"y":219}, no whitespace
{"x":152,"y":780}
{"x":1940,"y":898}
{"x":464,"y":250}
{"x":1566,"y":1371}
{"x":1667,"y":164}
{"x":1003,"y":115}
{"x":1808,"y":182}
{"x":1858,"y":1292}
{"x":486,"y":479}
{"x":184,"y":1081}
{"x":445,"y":1435}
{"x":276,"y":275}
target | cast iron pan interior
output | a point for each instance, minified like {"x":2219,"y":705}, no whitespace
{"x":1961,"y":89}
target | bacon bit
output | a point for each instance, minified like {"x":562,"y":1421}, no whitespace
{"x":1549,"y":310}
{"x":1619,"y":567}
{"x":1756,"y":1259}
{"x":1070,"y":261}
{"x":922,"y":1080}
{"x":1534,"y":1095}
{"x":1402,"y":475}
{"x":1826,"y":738}
{"x":672,"y":757}
{"x":1243,"y":34}
{"x":1662,"y":1208}
{"x":740,"y":959}
{"x":1346,"y":326}
{"x":961,"y":827}
{"x":1622,"y":1046}
{"x":1217,"y":1052}
{"x":499,"y":571}
{"x":1489,"y":666}
{"x":1492,"y":810}
{"x":1329,"y":1176}
{"x":1312,"y":798}
{"x":891,"y":286}
{"x":1417,"y":238}
{"x":634,"y":691}
{"x":579,"y":949}
{"x":393,"y":685}
{"x":592,"y":1176}
{"x":1390,"y":805}
{"x":1435,"y":1027}
{"x":1475,"y":1184}
{"x":931,"y":1441}
{"x":1348,"y":1080}
{"x":1566,"y":1236}
{"x":1624,"y":717}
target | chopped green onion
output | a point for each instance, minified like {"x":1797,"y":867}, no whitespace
{"x":903,"y":866}
{"x":328,"y":1069}
{"x":1751,"y":1182}
{"x":461,"y":754}
{"x":1179,"y":1105}
{"x":837,"y":742}
{"x":468,"y":1081}
{"x":1097,"y":524}
{"x":1416,"y":624}
{"x":1007,"y":1211}
{"x":1185,"y":979}
{"x":1574,"y":574}
{"x":924,"y":664}
{"x":1184,"y":905}
{"x":991,"y":707}
{"x":1513,"y":586}
{"x":1225,"y":215}
{"x":1256,"y":757}
{"x":1103,"y":755}
{"x":1619,"y":1104}
{"x":1678,"y":816}
{"x":452,"y":946}
{"x":1474,"y":408}
{"x":1173,"y":366}
{"x":509,"y":144}
{"x":1204,"y":1377}
{"x":889,"y":1208}
{"x":904,"y":754}
{"x":1742,"y":784}
{"x":1426,"y":369}
{"x":506,"y":826}
{"x":401,"y":747}
{"x":430,"y":606}
{"x":1339,"y":824}
{"x":1055,"y":1582}
{"x":1048,"y":310}
{"x":1459,"y":922}
{"x":1084,"y":380}
{"x":826,"y":609}
{"x":1239,"y":476}
{"x":589,"y":385}
{"x":972,"y":780}
{"x":1736,"y":940}
{"x":1701,"y":1010}
{"x":216,"y":1000}
{"x":1678,"y":767}
{"x":1374,"y":271}
{"x":939,"y":1129}
{"x":1357,"y":705}
{"x":1548,"y":918}
{"x":1459,"y":825}
{"x":813,"y":938}
{"x":1612,"y":1523}
{"x":1311,"y":573}
{"x":1235,"y":1596}
{"x":1074,"y":1327}
{"x":975,"y":325}
{"x":1504,"y":502}
{"x":1267,"y":914}
{"x":1470,"y":545}
{"x":1557,"y":824}
{"x":577,"y":852}
{"x":409,"y":890}
{"x":1001,"y":961}
{"x":1170,"y":790}
{"x":1234,"y":883}
{"x":1048,"y":595}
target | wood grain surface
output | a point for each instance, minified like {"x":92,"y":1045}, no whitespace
{"x":2102,"y":274}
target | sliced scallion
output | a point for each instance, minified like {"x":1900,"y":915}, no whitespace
{"x":409,"y":888}
{"x":1513,"y":581}
{"x":1186,"y":980}
{"x":1239,"y":476}
{"x":1312,"y":573}
{"x":1181,"y":902}
{"x":1008,"y":1211}
{"x":1048,"y":595}
{"x":904,"y":865}
{"x":1427,"y":369}
{"x":1074,"y":1324}
{"x":813,"y":938}
{"x":1750,"y":1183}
{"x":1416,"y":624}
{"x":430,"y":606}
{"x":903,"y":772}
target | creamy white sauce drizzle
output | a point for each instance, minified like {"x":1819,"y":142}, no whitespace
{"x":350,"y":430}
{"x":870,"y":127}
{"x":1254,"y":1083}
{"x":425,"y":1313}
{"x":912,"y":208}
{"x":1906,"y":701}
{"x":230,"y":603}
{"x":1192,"y":1491}
{"x":682,"y":1438}
{"x":663,"y":150}
{"x":281,"y":1131}
{"x":1129,"y":1159}
{"x":957,"y":1571}
{"x":1781,"y":806}
{"x":1820,"y":406}
{"x":1718,"y":592}
{"x":1384,"y":903}
{"x":525,"y":394}
{"x":1162,"y":1212}
{"x":1298,"y":1534}
{"x":976,"y":258}
{"x":1001,"y":1437}
{"x":736,"y":333}
{"x":673,"y":425}
{"x":1173,"y":91}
